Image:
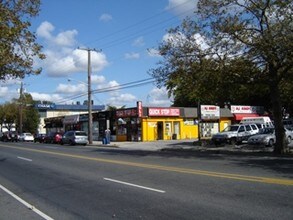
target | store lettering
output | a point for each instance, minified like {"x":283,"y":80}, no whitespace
{"x":163,"y":112}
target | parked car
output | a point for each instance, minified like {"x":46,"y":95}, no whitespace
{"x":235,"y":134}
{"x":288,"y":123}
{"x":10,"y":136}
{"x":39,"y":138}
{"x":267,"y":137}
{"x":53,"y":138}
{"x":26,"y":137}
{"x":75,"y":137}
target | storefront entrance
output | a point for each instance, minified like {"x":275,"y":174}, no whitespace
{"x":160,"y":130}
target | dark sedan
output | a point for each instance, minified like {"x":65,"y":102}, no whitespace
{"x":40,"y":138}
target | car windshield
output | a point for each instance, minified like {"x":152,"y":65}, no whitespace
{"x":232,"y":128}
{"x":266,"y":131}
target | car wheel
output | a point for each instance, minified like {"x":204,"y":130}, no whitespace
{"x":270,"y":143}
{"x":216,"y":143}
{"x":233,"y":141}
{"x":289,"y":139}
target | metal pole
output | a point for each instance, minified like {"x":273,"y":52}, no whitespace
{"x":199,"y":119}
{"x":90,"y":117}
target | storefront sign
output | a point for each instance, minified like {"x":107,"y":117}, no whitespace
{"x":210,"y":112}
{"x":45,"y":106}
{"x":123,"y":113}
{"x":71,"y":119}
{"x":164,"y":112}
{"x":139,"y":108}
{"x":242,"y":109}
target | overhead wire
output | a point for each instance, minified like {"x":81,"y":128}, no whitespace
{"x":141,"y":22}
{"x":148,"y":30}
{"x":109,"y":89}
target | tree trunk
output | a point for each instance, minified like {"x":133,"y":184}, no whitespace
{"x":281,"y":145}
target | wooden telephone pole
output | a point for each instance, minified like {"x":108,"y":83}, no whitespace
{"x":21,"y":108}
{"x":90,"y":116}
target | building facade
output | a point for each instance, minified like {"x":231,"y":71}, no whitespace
{"x":149,"y":123}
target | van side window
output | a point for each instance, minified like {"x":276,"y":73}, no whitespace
{"x":241,"y":129}
{"x":259,"y":126}
{"x":248,"y":128}
{"x":254,"y":127}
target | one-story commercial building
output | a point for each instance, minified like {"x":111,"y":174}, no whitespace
{"x":144,"y":123}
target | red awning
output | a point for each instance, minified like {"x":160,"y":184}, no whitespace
{"x":238,"y":117}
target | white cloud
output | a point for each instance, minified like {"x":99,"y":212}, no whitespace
{"x":201,"y":42}
{"x":71,"y":89}
{"x":138,"y":42}
{"x":98,"y":60}
{"x":96,"y":79}
{"x":132,"y":55}
{"x":66,"y":38}
{"x":45,"y":29}
{"x":153,"y":52}
{"x":182,"y":7}
{"x":179,"y":39}
{"x":62,"y":57}
{"x":46,"y":97}
{"x":3,"y":91}
{"x":106,"y":17}
{"x":122,"y":99}
{"x":176,"y":39}
{"x":9,"y":89}
{"x":158,"y":97}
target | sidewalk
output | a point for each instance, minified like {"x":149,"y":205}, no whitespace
{"x":147,"y":146}
{"x":191,"y":145}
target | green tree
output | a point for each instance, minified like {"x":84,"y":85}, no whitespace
{"x":27,"y":116}
{"x":18,"y":45}
{"x":232,"y":49}
{"x":8,"y":112}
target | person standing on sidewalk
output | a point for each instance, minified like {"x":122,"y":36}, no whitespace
{"x":107,"y":135}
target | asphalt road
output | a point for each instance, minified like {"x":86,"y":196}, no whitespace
{"x":40,"y":181}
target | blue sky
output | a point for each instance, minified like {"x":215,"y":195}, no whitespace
{"x":127,"y":33}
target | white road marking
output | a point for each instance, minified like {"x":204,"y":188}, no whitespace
{"x":29,"y":206}
{"x":130,"y":184}
{"x":23,"y":158}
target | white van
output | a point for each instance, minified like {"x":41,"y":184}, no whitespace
{"x":261,"y":122}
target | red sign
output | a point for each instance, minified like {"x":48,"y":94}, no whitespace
{"x":126,"y":113}
{"x":139,"y":109}
{"x":164,"y":112}
{"x":243,"y":109}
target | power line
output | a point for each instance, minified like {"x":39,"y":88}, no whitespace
{"x":143,"y":21}
{"x":110,"y":89}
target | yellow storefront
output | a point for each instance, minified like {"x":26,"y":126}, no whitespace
{"x":169,"y":124}
{"x":158,"y":123}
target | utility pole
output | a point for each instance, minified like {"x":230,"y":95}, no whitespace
{"x":20,"y":107}
{"x":90,"y":116}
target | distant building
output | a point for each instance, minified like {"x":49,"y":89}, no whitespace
{"x":53,"y":110}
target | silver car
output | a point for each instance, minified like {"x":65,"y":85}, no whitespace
{"x":74,"y":137}
{"x":267,"y":137}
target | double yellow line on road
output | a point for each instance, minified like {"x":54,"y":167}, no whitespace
{"x":259,"y":179}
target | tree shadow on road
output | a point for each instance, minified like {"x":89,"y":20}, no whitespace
{"x":260,"y":158}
